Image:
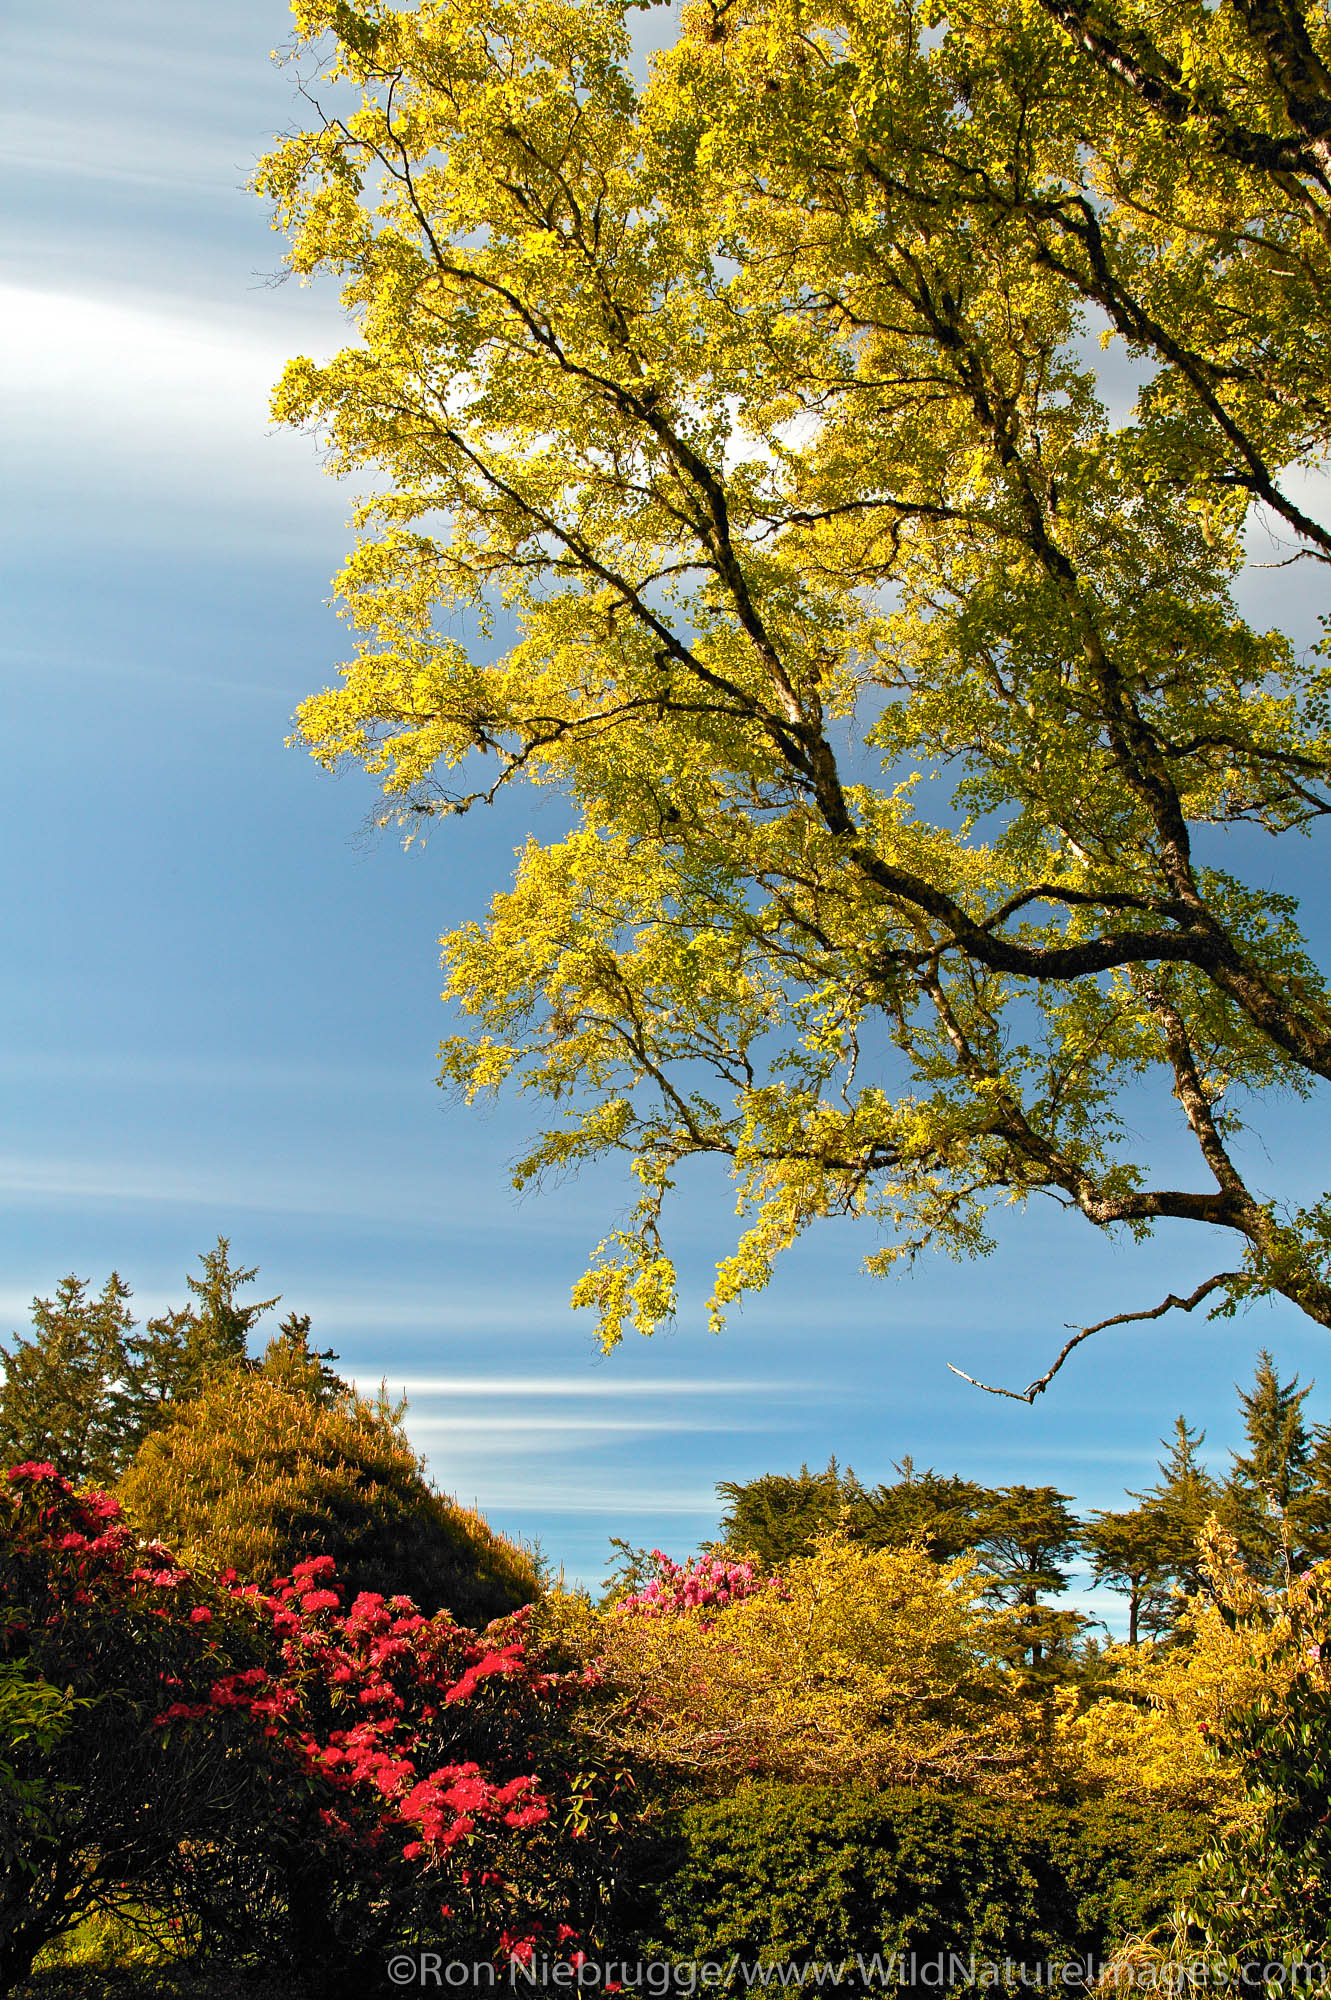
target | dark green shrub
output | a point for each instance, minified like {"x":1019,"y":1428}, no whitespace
{"x":1125,"y":1865}
{"x":795,"y":1873}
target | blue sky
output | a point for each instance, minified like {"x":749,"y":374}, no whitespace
{"x":221,"y":1002}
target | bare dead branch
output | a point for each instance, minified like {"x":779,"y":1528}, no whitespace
{"x":1041,"y":1383}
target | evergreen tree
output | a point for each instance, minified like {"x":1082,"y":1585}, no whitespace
{"x":1129,"y":1551}
{"x":1318,"y":1518}
{"x":290,"y":1361}
{"x":180,"y":1351}
{"x":64,"y":1396}
{"x":779,"y":1516}
{"x":940,"y":1511}
{"x":222,"y":1324}
{"x":632,"y":1568}
{"x":1270,"y":1503}
{"x":1026,"y":1536}
{"x":86,"y":1388}
{"x":1181,"y":1502}
{"x":161,"y":1365}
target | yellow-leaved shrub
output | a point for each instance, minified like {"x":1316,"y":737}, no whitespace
{"x":1153,"y":1733}
{"x":256,"y":1475}
{"x":859,"y":1664}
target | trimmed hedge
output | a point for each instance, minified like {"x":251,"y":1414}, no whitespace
{"x":795,"y":1873}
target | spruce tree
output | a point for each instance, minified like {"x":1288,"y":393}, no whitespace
{"x":86,"y":1388}
{"x":290,"y":1361}
{"x":160,"y":1364}
{"x":1270,"y":1503}
{"x":180,"y":1351}
{"x":1318,"y":1515}
{"x":64,"y":1396}
{"x":222,"y":1324}
{"x":1181,"y":1502}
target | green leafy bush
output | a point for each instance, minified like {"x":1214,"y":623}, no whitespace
{"x":795,"y":1873}
{"x":1264,"y":1885}
{"x":258,"y":1473}
{"x":1125,"y":1865}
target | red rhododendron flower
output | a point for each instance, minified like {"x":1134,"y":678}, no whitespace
{"x":314,"y":1566}
{"x":338,"y":1724}
{"x":527,"y":1816}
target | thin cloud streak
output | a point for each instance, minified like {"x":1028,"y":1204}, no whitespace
{"x":556,"y":1502}
{"x":126,"y":414}
{"x":408,"y":1205}
{"x":568,"y":1385}
{"x":134,"y":1067}
{"x":571,"y":1427}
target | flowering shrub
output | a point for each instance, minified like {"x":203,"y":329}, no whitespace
{"x":33,"y":1717}
{"x":703,"y":1584}
{"x":294,"y":1778}
{"x":856,"y":1664}
{"x":412,"y":1800}
{"x":84,"y":1609}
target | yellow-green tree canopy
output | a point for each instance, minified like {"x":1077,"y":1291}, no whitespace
{"x":895,"y":683}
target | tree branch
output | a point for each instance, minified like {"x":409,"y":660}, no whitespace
{"x":1041,"y":1383}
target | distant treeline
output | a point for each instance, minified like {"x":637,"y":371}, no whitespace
{"x":87,"y":1387}
{"x":1275,"y":1501}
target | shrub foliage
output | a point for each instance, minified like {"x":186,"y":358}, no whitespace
{"x":258,"y":1473}
{"x":833,"y":1875}
{"x":286,"y":1777}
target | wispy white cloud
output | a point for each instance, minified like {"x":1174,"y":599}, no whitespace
{"x":110,"y":96}
{"x":568,"y":1428}
{"x":106,"y":149}
{"x":91,"y":1068}
{"x":526,"y":1386}
{"x":126,"y":410}
{"x":577,"y":1495}
{"x":291,"y":1186}
{"x":1088,"y":1453}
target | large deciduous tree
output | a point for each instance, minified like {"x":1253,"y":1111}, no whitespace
{"x":895,"y":684}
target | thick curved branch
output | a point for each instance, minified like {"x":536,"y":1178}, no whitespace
{"x":794,"y":726}
{"x":1137,"y":325}
{"x":1157,"y":82}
